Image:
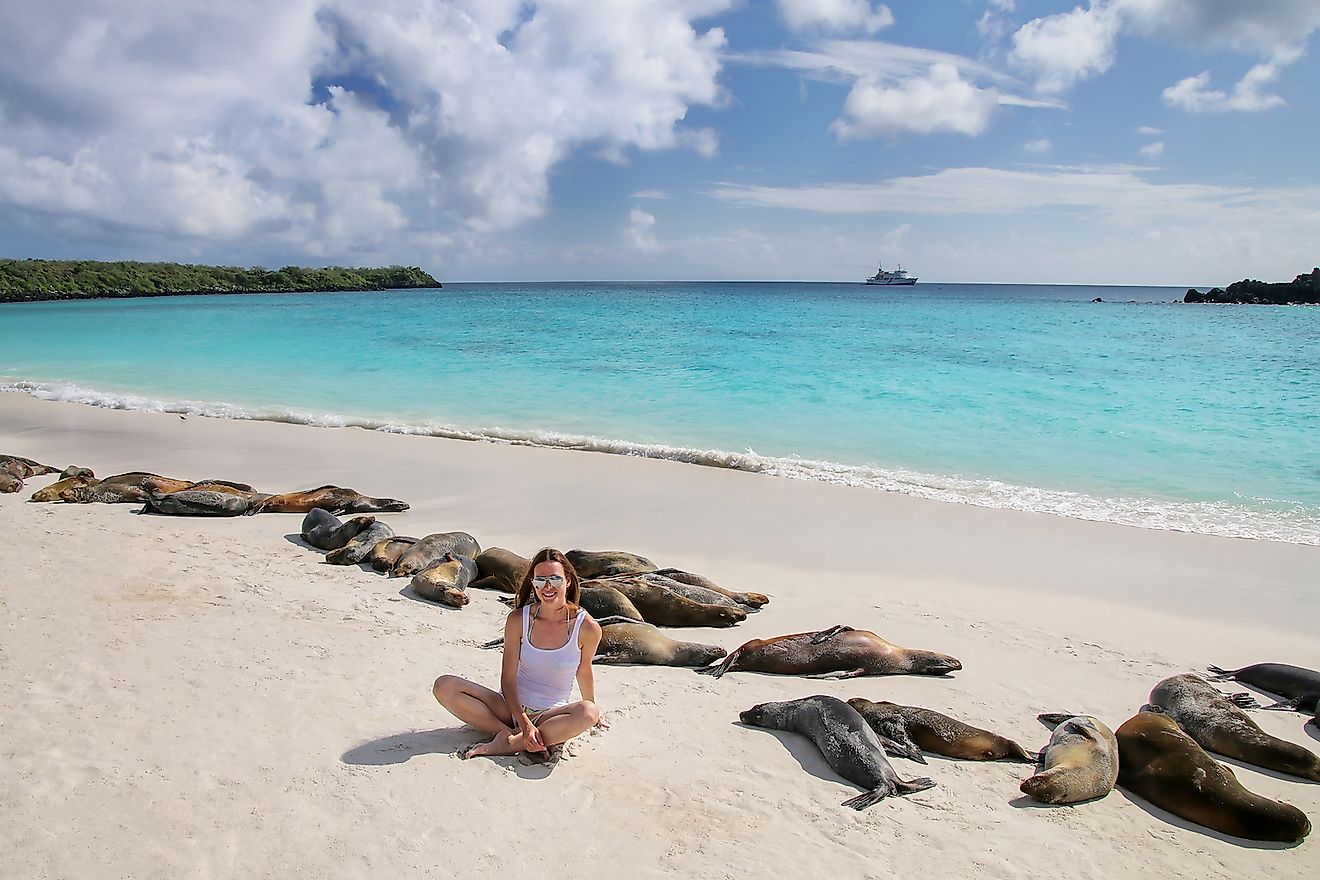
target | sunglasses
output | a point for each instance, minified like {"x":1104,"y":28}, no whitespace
{"x":556,"y":580}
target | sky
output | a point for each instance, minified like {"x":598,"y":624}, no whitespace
{"x":1169,"y":142}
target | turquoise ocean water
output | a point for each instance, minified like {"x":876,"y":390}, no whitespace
{"x":1136,"y":410}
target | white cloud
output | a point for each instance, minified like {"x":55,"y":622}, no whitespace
{"x":835,"y":16}
{"x":650,"y":194}
{"x":1152,"y":150}
{"x":142,"y":124}
{"x":638,"y":231}
{"x":1038,"y":146}
{"x":1194,"y":94}
{"x":1269,"y":28}
{"x":939,"y":101}
{"x":1061,"y":50}
{"x":1148,"y":130}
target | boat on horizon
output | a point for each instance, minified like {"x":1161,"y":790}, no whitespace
{"x":898,"y":276}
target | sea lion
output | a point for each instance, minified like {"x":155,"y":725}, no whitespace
{"x":837,"y":652}
{"x":127,"y":488}
{"x":52,"y":492}
{"x":849,"y":745}
{"x":626,"y":641}
{"x":387,"y":552}
{"x":1164,"y":765}
{"x":324,"y":531}
{"x":1298,"y":686}
{"x":14,"y":468}
{"x":697,"y":594}
{"x":335,"y":499}
{"x":1079,"y":764}
{"x":501,"y":570}
{"x":197,"y":502}
{"x":30,"y":468}
{"x":360,"y":544}
{"x":445,"y":581}
{"x":607,"y":563}
{"x":431,"y":549}
{"x":753,"y":600}
{"x":74,"y":471}
{"x":10,"y":483}
{"x":663,"y":607}
{"x":1218,"y":725}
{"x":602,"y":602}
{"x":940,"y":734}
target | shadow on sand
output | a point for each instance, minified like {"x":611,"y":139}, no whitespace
{"x":399,"y":748}
{"x":1171,"y":819}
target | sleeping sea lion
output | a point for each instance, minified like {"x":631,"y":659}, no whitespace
{"x":938,"y":733}
{"x":602,"y":602}
{"x":607,"y":563}
{"x":501,"y":570}
{"x":324,"y":531}
{"x":626,"y":641}
{"x":197,"y":502}
{"x":1079,"y":764}
{"x":663,"y":607}
{"x":431,"y":549}
{"x":74,"y":471}
{"x":753,"y":600}
{"x":30,"y":468}
{"x":445,"y":581}
{"x":387,"y":552}
{"x":845,"y":740}
{"x":1298,"y":686}
{"x":1164,"y":765}
{"x":9,"y":483}
{"x":837,"y":652}
{"x":127,"y":488}
{"x":360,"y":544}
{"x":697,"y":594}
{"x":1218,"y":725}
{"x":335,"y":499}
{"x":52,"y":492}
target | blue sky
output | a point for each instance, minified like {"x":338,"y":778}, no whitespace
{"x":1120,"y":141}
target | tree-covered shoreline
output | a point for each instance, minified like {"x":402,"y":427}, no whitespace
{"x":36,"y":280}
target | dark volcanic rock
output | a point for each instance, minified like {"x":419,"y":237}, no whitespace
{"x":1304,"y":289}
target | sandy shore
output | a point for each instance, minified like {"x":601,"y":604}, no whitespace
{"x":187,"y":697}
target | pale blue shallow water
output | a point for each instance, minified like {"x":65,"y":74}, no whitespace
{"x":1203,"y":418}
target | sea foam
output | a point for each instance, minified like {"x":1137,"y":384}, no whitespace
{"x":1251,"y":518}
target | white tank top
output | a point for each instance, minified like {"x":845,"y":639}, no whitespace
{"x":545,"y":677}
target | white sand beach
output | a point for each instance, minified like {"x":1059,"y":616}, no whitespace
{"x":206,"y":698}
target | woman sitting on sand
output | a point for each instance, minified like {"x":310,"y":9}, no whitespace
{"x":548,"y":641}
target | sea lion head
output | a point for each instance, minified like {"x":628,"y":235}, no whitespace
{"x":930,"y":663}
{"x":757,"y":715}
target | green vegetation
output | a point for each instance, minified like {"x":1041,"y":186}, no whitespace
{"x":1304,"y":289}
{"x":30,"y":280}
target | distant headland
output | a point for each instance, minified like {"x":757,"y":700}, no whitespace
{"x":34,"y":280}
{"x":1302,"y":290}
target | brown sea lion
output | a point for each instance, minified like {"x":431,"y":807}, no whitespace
{"x":431,"y":549}
{"x":324,"y":531}
{"x":753,"y":600}
{"x":74,"y":471}
{"x":14,"y":468}
{"x":1079,"y":764}
{"x":335,"y":499}
{"x":132,"y":487}
{"x":52,"y":492}
{"x":500,"y":569}
{"x":663,"y":607}
{"x":940,"y":734}
{"x":602,"y":602}
{"x":686,"y":590}
{"x":10,"y":483}
{"x":1218,"y":725}
{"x":360,"y":544}
{"x":197,"y":502}
{"x":1164,"y":765}
{"x":846,"y":741}
{"x":446,"y":580}
{"x":30,"y":468}
{"x":626,"y":641}
{"x":837,"y":652}
{"x":607,"y":563}
{"x":387,"y":552}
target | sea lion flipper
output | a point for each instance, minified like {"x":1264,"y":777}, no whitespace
{"x":847,"y":673}
{"x":1054,"y":719}
{"x":1244,"y":700}
{"x":896,"y":749}
{"x":827,"y":634}
{"x":912,"y":786}
{"x":1282,"y":705}
{"x":866,"y":799}
{"x":718,"y":671}
{"x":1221,"y":674}
{"x":493,"y":643}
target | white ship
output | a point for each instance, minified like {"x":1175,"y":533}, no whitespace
{"x":898,"y":276}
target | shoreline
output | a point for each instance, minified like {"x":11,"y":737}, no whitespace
{"x":153,"y":662}
{"x":1215,"y":518}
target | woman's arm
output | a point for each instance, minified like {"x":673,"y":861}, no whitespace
{"x":588,"y":640}
{"x":509,"y":680}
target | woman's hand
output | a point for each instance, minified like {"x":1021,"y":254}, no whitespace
{"x":602,"y":723}
{"x":532,"y":741}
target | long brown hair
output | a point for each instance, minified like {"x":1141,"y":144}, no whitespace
{"x":572,"y":593}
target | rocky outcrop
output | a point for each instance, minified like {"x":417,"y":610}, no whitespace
{"x":1304,"y":289}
